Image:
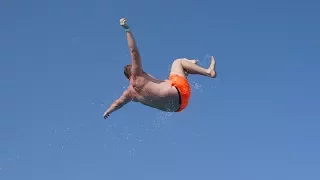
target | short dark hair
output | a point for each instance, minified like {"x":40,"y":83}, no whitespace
{"x":127,"y":71}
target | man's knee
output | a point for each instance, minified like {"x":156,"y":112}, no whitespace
{"x":182,"y":59}
{"x":177,"y":61}
{"x":177,"y":64}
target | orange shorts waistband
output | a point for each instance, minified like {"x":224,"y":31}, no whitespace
{"x":183,"y":86}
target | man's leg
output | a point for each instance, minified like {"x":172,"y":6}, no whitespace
{"x":194,"y":62}
{"x":136,"y":68}
{"x":180,"y":66}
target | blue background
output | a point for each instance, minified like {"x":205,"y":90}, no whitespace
{"x":62,"y":66}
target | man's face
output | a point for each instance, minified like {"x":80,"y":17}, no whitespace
{"x":127,"y":71}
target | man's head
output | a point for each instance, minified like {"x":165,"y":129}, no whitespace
{"x":127,"y":71}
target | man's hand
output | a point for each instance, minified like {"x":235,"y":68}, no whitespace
{"x":106,"y":115}
{"x":123,"y":23}
{"x":124,"y":99}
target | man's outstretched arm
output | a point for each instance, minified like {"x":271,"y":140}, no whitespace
{"x":119,"y":103}
{"x":136,"y":68}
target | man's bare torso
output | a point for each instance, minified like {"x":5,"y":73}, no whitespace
{"x":155,"y":93}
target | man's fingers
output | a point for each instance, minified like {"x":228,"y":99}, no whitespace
{"x":105,"y":116}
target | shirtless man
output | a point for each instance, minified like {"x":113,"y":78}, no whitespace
{"x":170,"y":95}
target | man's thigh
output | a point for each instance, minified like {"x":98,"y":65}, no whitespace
{"x":176,"y":68}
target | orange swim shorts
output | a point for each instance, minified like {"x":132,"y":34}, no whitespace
{"x":183,"y":87}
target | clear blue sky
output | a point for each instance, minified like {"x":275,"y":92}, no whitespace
{"x":61,"y":65}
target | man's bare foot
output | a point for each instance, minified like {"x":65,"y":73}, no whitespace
{"x":212,"y":68}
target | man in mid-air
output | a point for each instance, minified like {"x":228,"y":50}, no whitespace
{"x":170,"y":95}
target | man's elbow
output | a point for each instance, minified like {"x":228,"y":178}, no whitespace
{"x":133,"y":51}
{"x":118,"y":104}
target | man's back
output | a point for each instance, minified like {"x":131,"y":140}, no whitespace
{"x":155,"y":93}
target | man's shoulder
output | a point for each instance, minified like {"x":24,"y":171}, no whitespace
{"x":132,"y":93}
{"x":129,"y":89}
